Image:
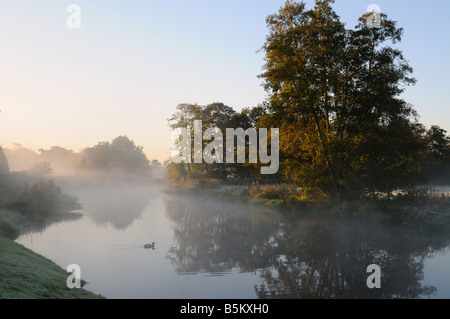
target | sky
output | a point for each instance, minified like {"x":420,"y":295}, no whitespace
{"x":133,"y":61}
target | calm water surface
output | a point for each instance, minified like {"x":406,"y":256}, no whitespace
{"x":212,"y":249}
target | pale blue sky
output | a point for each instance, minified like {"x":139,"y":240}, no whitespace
{"x":132,"y":62}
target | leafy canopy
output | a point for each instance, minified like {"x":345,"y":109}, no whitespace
{"x":334,"y":94}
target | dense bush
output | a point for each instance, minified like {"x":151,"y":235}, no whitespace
{"x":285,"y":193}
{"x":37,"y":199}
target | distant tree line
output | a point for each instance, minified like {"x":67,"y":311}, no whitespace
{"x":119,"y":157}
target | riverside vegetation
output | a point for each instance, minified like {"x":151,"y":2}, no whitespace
{"x":349,"y":144}
{"x":425,"y":208}
{"x":31,"y":203}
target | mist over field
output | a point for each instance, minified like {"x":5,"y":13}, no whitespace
{"x":121,"y":157}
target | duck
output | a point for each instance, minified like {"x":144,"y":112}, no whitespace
{"x":150,"y":246}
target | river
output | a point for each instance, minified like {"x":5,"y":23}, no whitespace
{"x":216,"y":249}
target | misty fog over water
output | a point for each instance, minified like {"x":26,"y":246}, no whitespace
{"x":213,"y":249}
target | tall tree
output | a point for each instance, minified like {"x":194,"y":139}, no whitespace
{"x":215,"y":115}
{"x":184,"y":118}
{"x":121,"y":156}
{"x":41,"y":169}
{"x":437,"y":161}
{"x":334,"y":94}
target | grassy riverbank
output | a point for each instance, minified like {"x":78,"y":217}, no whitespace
{"x":25,"y":274}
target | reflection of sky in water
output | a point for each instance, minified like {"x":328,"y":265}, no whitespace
{"x":437,"y":273}
{"x":114,"y":205}
{"x":207,"y":250}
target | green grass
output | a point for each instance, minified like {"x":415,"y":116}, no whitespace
{"x":27,"y":275}
{"x":9,"y":222}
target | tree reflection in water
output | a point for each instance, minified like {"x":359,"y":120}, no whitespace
{"x":118,"y":206}
{"x":214,"y":240}
{"x":328,"y":259}
{"x":298,"y":257}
